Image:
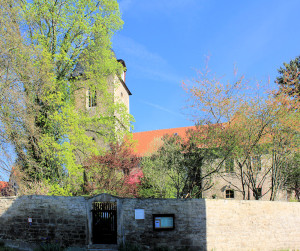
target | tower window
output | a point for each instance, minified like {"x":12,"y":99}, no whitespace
{"x":92,"y":98}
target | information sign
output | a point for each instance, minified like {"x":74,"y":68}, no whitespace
{"x":163,"y":221}
{"x":139,"y":214}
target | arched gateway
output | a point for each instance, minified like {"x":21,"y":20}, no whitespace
{"x":104,"y":223}
{"x":103,"y":219}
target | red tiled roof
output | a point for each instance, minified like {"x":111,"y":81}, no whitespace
{"x":3,"y":184}
{"x":148,"y":142}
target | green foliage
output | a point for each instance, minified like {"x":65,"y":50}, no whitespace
{"x":42,"y":44}
{"x":292,"y":174}
{"x":289,"y":78}
{"x":180,"y":168}
{"x":155,"y":183}
{"x":58,"y":190}
{"x":246,"y":125}
{"x":149,"y":189}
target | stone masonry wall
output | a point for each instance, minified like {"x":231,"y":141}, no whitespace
{"x":252,"y":225}
{"x":200,"y":224}
{"x":190,"y":223}
{"x":214,"y":224}
{"x":60,"y":219}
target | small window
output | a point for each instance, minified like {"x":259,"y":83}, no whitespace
{"x":92,"y":99}
{"x":256,"y":162}
{"x":229,"y":194}
{"x":229,"y":164}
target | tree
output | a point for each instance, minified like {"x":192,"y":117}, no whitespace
{"x":162,"y":176}
{"x":289,"y":78}
{"x":115,"y":172}
{"x":179,"y":169}
{"x":289,"y":83}
{"x":292,"y":174}
{"x":245,"y":124}
{"x":41,"y":42}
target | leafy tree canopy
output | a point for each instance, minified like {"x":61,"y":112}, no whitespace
{"x":243,"y":122}
{"x":116,"y":172}
{"x":289,"y":78}
{"x":41,"y":42}
{"x":179,"y":169}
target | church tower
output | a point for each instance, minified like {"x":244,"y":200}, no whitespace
{"x":91,"y":102}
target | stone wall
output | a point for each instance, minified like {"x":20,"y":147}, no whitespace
{"x":252,"y":225}
{"x":190,"y":223}
{"x":60,"y":219}
{"x":199,"y":224}
{"x":215,"y":224}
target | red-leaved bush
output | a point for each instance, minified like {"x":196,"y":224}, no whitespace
{"x":116,"y":172}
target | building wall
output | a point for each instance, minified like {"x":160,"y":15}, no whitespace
{"x":119,"y":94}
{"x":200,"y":224}
{"x":232,"y":181}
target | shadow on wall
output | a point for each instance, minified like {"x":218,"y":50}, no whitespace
{"x":40,"y":219}
{"x":188,"y":233}
{"x":176,"y":224}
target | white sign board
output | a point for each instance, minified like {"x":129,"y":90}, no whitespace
{"x":139,"y":214}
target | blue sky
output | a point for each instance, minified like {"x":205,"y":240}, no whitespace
{"x":163,"y":42}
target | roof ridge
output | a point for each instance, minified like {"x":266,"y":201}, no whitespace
{"x":166,"y":129}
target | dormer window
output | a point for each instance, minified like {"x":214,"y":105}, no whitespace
{"x":92,"y":98}
{"x":229,"y":194}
